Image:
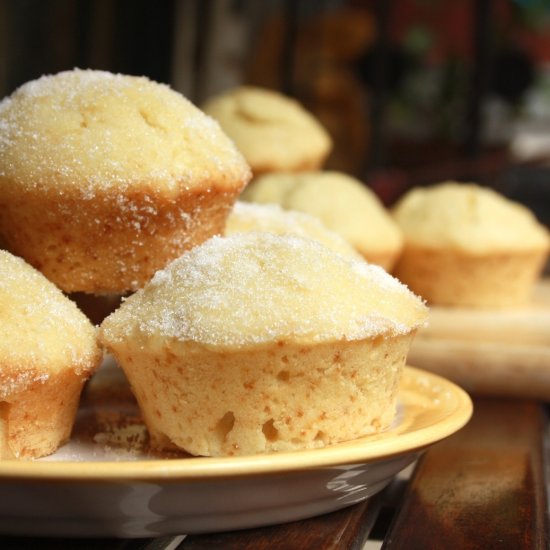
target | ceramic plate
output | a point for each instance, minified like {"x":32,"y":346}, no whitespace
{"x":105,"y":483}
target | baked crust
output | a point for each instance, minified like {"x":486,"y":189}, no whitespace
{"x":111,"y":243}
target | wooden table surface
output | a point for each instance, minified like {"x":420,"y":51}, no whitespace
{"x":484,"y":487}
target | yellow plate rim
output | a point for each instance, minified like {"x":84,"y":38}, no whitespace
{"x":448,"y":404}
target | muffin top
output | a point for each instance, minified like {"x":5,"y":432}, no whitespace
{"x":468,"y":217}
{"x":273,"y":131}
{"x":271,"y":218}
{"x":90,"y":130}
{"x":42,"y":331}
{"x":341,"y":202}
{"x":250,"y":289}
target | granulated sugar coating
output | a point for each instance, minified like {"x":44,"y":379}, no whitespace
{"x":41,"y":330}
{"x":105,"y":178}
{"x":95,"y":129}
{"x":257,"y":287}
{"x":259,"y":343}
{"x":48,"y":349}
{"x":271,"y":218}
{"x":343,"y":203}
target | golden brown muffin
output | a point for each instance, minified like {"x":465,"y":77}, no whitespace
{"x":466,"y":245}
{"x":273,"y":132}
{"x":258,"y":342}
{"x":105,"y":178}
{"x":342,"y":203}
{"x":271,"y":218}
{"x":48,"y":349}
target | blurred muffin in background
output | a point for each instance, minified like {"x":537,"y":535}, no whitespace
{"x":273,"y":132}
{"x":342,"y":203}
{"x":271,"y":218}
{"x":466,"y":245}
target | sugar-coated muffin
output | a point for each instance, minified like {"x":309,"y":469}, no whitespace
{"x":105,"y":178}
{"x":257,"y":342}
{"x":342,"y":203}
{"x":271,"y":218}
{"x":48,"y":349}
{"x":466,"y":245}
{"x":274,"y":132}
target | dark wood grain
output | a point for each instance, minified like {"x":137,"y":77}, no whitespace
{"x":484,"y":487}
{"x":345,"y":529}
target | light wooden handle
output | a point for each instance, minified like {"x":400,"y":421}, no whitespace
{"x":487,"y":368}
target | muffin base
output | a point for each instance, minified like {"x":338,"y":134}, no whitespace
{"x":452,"y":278}
{"x":36,"y":421}
{"x":111,"y":242}
{"x":277,"y":397}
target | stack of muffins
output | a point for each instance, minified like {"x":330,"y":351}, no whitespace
{"x":103,"y":180}
{"x":251,"y":326}
{"x":112,"y":184}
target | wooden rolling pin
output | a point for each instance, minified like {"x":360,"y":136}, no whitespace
{"x":490,"y":352}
